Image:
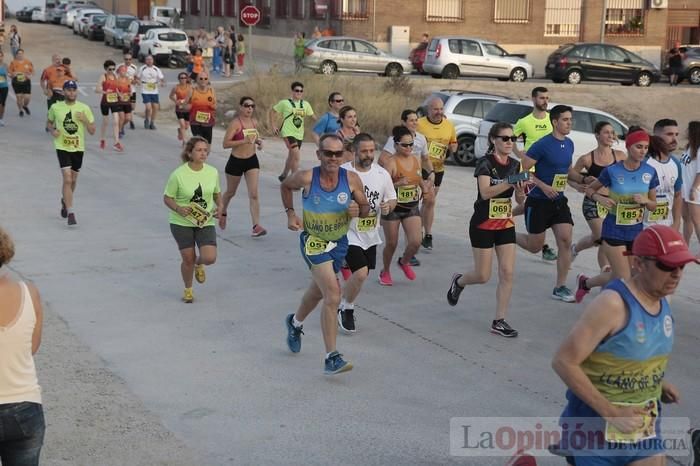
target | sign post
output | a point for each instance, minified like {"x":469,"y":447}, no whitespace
{"x":250,"y":16}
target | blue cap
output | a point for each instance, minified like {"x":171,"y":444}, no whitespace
{"x":70,"y":85}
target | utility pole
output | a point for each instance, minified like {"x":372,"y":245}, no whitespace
{"x":602,"y":21}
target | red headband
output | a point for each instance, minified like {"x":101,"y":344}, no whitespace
{"x":635,"y":137}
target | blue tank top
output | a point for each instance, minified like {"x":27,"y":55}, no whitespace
{"x":624,"y":221}
{"x":326,"y":212}
{"x":3,"y":76}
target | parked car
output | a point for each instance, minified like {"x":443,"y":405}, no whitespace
{"x":115,"y":28}
{"x":574,"y":63}
{"x":25,"y":14}
{"x":328,"y":55}
{"x":465,"y":110}
{"x":452,"y":57}
{"x":135,"y":32}
{"x":585,"y":119}
{"x":55,"y":14}
{"x":167,"y":15}
{"x":417,"y":57}
{"x":39,"y":15}
{"x":81,"y":20}
{"x":161,"y":42}
{"x":93,"y":28}
{"x":73,"y":9}
{"x":691,"y":65}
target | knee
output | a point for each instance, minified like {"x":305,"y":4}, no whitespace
{"x":505,"y":274}
{"x":253,"y":196}
{"x":67,"y":179}
{"x":429,"y":202}
{"x":188,"y":260}
{"x":332,"y":298}
{"x":208,"y":259}
{"x":361,"y":274}
{"x":390,"y":244}
{"x":482,"y":277}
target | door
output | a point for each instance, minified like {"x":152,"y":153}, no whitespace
{"x":471,"y":58}
{"x":494,"y":61}
{"x":620,"y":64}
{"x":367,"y":58}
{"x":142,"y":8}
{"x":594,"y":62}
{"x":342,"y":53}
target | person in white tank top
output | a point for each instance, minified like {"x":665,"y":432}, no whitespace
{"x":21,"y":412}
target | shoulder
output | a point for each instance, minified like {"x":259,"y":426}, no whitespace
{"x":211,"y":169}
{"x":484,"y":163}
{"x":348,"y":166}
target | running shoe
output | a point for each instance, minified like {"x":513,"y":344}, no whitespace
{"x":21,"y":114}
{"x":335,"y":364}
{"x":121,"y":133}
{"x":102,"y":143}
{"x":26,"y":110}
{"x":71,"y":219}
{"x":188,"y":296}
{"x":407,"y":269}
{"x":152,"y":126}
{"x":455,"y":290}
{"x":293,"y":334}
{"x":563,"y":293}
{"x":199,"y":273}
{"x":118,"y":147}
{"x":145,"y":124}
{"x":501,"y":327}
{"x":385,"y":279}
{"x":548,"y":254}
{"x":64,"y":211}
{"x":414,"y":262}
{"x":581,"y":289}
{"x":258,"y":231}
{"x":131,"y":125}
{"x":427,"y":242}
{"x":346,"y":320}
{"x":346,"y":273}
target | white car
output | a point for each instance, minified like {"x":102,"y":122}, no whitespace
{"x":585,"y":119}
{"x":39,"y":15}
{"x":161,"y":42}
{"x":81,"y":19}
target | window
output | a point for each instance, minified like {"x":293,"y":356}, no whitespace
{"x":469,"y":47}
{"x":282,"y":8}
{"x":625,"y":17}
{"x":216,"y":8}
{"x":511,"y":11}
{"x":453,"y":44}
{"x":354,"y":9}
{"x":265,"y":7}
{"x":595,"y":52}
{"x":194,"y":7}
{"x":444,"y":11}
{"x":364,"y":47}
{"x":467,"y":107}
{"x":582,"y":122}
{"x":319,"y":8}
{"x":298,"y":9}
{"x":487,"y":105}
{"x":615,"y":54}
{"x":493,"y":49}
{"x":562,"y":18}
{"x":230,"y":8}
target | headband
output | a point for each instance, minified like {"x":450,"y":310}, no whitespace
{"x":635,"y":137}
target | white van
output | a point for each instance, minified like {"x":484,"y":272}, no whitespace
{"x":166,"y":14}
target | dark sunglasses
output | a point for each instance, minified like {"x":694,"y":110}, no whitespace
{"x":406,"y":144}
{"x":339,"y":101}
{"x":507,"y":138}
{"x":298,"y":90}
{"x":663,"y":267}
{"x":249,"y":105}
{"x":111,"y":69}
{"x":331,"y":153}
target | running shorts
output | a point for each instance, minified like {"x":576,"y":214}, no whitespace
{"x":106,"y":109}
{"x":335,"y":255}
{"x":3,"y":95}
{"x":150,"y":98}
{"x":487,"y":239}
{"x":356,"y":258}
{"x":617,"y":242}
{"x":72,"y":160}
{"x":187,"y":237}
{"x":24,"y":87}
{"x":589,"y":207}
{"x":237,"y":167}
{"x":541,"y":214}
{"x":400,"y":214}
{"x":292,"y":142}
{"x":182,"y":115}
{"x":203,"y":131}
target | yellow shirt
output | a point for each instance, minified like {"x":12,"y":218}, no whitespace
{"x":439,"y":137}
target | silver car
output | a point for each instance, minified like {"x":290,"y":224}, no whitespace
{"x":330,"y":54}
{"x":452,"y":57}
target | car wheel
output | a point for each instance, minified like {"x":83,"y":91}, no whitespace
{"x":74,"y":32}
{"x":694,"y":76}
{"x":393,"y":70}
{"x":518,"y":75}
{"x":644,"y":79}
{"x":328,"y":67}
{"x":574,"y":77}
{"x":450,"y":72}
{"x":465,"y":151}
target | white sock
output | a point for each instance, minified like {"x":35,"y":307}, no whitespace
{"x":349,"y":306}
{"x":343,"y":304}
{"x":295,"y":322}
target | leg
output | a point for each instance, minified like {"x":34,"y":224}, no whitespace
{"x":207,"y":255}
{"x":325,"y":278}
{"x":619,"y":265}
{"x":187,"y":266}
{"x":506,"y":266}
{"x":251,"y":181}
{"x":428,"y":212}
{"x":154,"y":111}
{"x":354,"y":285}
{"x":309,"y":301}
{"x":70,"y":178}
{"x":115,"y":126}
{"x":482,"y":268}
{"x":687,"y":221}
{"x":694,"y":210}
{"x":562,"y":234}
{"x":232,"y":183}
{"x":20,"y":102}
{"x":411,"y":228}
{"x":293,"y":159}
{"x":147,"y":111}
{"x":588,"y":241}
{"x":103,"y":127}
{"x":391,"y":239}
{"x":530,"y":242}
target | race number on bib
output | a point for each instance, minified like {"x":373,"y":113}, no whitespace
{"x":202,"y":117}
{"x":199,"y":216}
{"x":437,"y":150}
{"x":365,"y":224}
{"x":660,"y":213}
{"x":646,"y":431}
{"x":629,"y":214}
{"x":314,"y":246}
{"x":407,"y":194}
{"x":299,"y":113}
{"x":500,"y":208}
{"x":71,"y":142}
{"x":112,"y":98}
{"x":2,"y":79}
{"x":150,"y":86}
{"x":559,"y":182}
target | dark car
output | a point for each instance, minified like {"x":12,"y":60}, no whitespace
{"x":115,"y":27}
{"x":25,"y":14}
{"x":417,"y":56}
{"x":574,"y":63}
{"x":691,"y":65}
{"x":94,"y":27}
{"x":135,"y":32}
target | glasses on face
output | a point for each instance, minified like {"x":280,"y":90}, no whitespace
{"x":507,"y":138}
{"x":249,"y":105}
{"x":182,"y":77}
{"x":298,"y":90}
{"x":111,"y":69}
{"x":406,"y":144}
{"x":332,"y":153}
{"x":663,"y":267}
{"x":202,"y":79}
{"x":339,"y":101}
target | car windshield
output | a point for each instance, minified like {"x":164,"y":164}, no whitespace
{"x":172,"y":37}
{"x":145,"y":27}
{"x":508,"y":112}
{"x":123,"y":23}
{"x":493,"y":49}
{"x":564,"y":49}
{"x":99,"y":19}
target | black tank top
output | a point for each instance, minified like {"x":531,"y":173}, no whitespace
{"x":595,"y":170}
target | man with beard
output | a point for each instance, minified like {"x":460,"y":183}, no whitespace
{"x":67,"y":121}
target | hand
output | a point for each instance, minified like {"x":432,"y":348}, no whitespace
{"x":222,"y":220}
{"x":520,"y":188}
{"x":549,"y":191}
{"x":55,"y":133}
{"x":693,"y":190}
{"x":294,"y":222}
{"x":184,"y":211}
{"x":259,"y":143}
{"x":251,"y":138}
{"x":80,"y":116}
{"x":384,"y":207}
{"x":354,"y":209}
{"x":627,"y":419}
{"x":669,"y":393}
{"x":606,"y":202}
{"x":640,"y":199}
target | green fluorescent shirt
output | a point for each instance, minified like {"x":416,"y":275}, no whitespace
{"x":72,"y":132}
{"x":532,"y":128}
{"x":293,"y":125}
{"x":186,"y":185}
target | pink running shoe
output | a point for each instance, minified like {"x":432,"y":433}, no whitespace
{"x":102,"y":144}
{"x":118,"y":147}
{"x":581,"y":290}
{"x":258,"y":231}
{"x":407,"y":270}
{"x":385,"y":279}
{"x":346,"y":272}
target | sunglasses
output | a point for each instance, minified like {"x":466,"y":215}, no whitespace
{"x":111,"y":69}
{"x":298,"y":90}
{"x":249,"y":105}
{"x":339,"y":101}
{"x":406,"y":144}
{"x":507,"y":138}
{"x":663,"y":267}
{"x":202,"y":79}
{"x":333,"y":154}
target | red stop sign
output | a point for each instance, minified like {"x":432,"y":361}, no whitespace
{"x":250,"y":15}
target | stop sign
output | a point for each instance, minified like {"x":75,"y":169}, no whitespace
{"x":250,"y":15}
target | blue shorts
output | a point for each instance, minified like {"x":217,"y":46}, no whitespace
{"x":336,"y":255}
{"x":150,"y":98}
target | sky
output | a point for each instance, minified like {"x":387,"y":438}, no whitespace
{"x":15,"y":5}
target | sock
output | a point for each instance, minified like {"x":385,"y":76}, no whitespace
{"x":70,"y":210}
{"x":343,"y":304}
{"x":295,"y":322}
{"x":350,"y":306}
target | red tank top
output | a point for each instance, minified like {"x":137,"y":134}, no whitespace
{"x":110,"y":90}
{"x":239,"y":135}
{"x":202,"y":107}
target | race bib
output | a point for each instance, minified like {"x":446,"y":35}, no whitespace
{"x":299,"y":113}
{"x":559,"y":182}
{"x":251,"y":132}
{"x":71,"y":142}
{"x":2,"y":79}
{"x":646,"y":431}
{"x":112,"y":98}
{"x":314,"y":246}
{"x":660,"y":213}
{"x":602,"y":210}
{"x":199,"y":216}
{"x":406,"y":194}
{"x":500,"y":208}
{"x":202,"y":117}
{"x":629,"y":214}
{"x":20,"y":77}
{"x":150,"y":86}
{"x":365,"y":224}
{"x":437,"y":150}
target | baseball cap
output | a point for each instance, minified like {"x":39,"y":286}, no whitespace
{"x":70,"y":85}
{"x":664,"y":244}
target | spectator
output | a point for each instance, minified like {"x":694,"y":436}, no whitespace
{"x":21,"y":319}
{"x":240,"y":53}
{"x":229,"y":56}
{"x":317,"y":33}
{"x":675,"y":63}
{"x":299,"y":42}
{"x":15,"y":40}
{"x":219,"y":43}
{"x":202,"y":39}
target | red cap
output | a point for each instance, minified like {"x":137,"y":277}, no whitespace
{"x":664,"y":244}
{"x":635,"y":137}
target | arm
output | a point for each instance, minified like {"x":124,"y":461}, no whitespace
{"x":487,"y":190}
{"x":576,"y":179}
{"x":695,"y":185}
{"x":358,"y":195}
{"x":98,"y":86}
{"x":272,"y":119}
{"x":677,"y":210}
{"x":172,"y":96}
{"x":232,"y":129}
{"x":299,"y":180}
{"x":39,"y":312}
{"x":172,"y":205}
{"x":527,"y":163}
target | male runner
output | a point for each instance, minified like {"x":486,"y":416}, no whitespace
{"x":546,"y":206}
{"x":293,"y":111}
{"x":409,"y":119}
{"x":332,"y":196}
{"x":131,"y":71}
{"x":47,"y":77}
{"x":329,"y":121}
{"x":625,"y":334}
{"x":151,"y":78}
{"x":67,"y":123}
{"x":531,"y":128}
{"x":442,"y":137}
{"x":669,"y":204}
{"x":363,"y":235}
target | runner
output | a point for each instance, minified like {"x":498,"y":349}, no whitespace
{"x":332,"y":197}
{"x":691,"y":183}
{"x":585,"y":171}
{"x":243,"y":139}
{"x":409,"y":119}
{"x":54,"y":85}
{"x":193,"y":196}
{"x":363,"y":235}
{"x":442,"y":137}
{"x":202,"y":104}
{"x":124,"y":91}
{"x":348,"y":130}
{"x":47,"y":78}
{"x":328,"y":123}
{"x":151,"y":78}
{"x":293,"y":111}
{"x":131,"y":71}
{"x":4,"y":87}
{"x":491,"y":226}
{"x":109,"y":103}
{"x":625,"y":334}
{"x":531,"y":128}
{"x":179,"y":94}
{"x":632,"y":188}
{"x":546,"y":205}
{"x":405,"y":173}
{"x":21,"y":71}
{"x":669,"y":203}
{"x":68,"y":121}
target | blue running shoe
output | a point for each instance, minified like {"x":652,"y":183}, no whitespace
{"x":293,"y":334}
{"x":335,"y":364}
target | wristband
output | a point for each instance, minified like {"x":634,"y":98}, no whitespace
{"x":288,"y":209}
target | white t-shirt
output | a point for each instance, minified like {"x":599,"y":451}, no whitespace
{"x":150,"y":76}
{"x":420,"y":146}
{"x":670,"y":181}
{"x":690,"y":168}
{"x":131,"y":71}
{"x":378,"y":188}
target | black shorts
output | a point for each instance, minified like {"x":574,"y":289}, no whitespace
{"x":72,"y":160}
{"x":541,"y":214}
{"x":183,"y":116}
{"x":187,"y":237}
{"x":55,"y":97}
{"x":3,"y":95}
{"x":618,"y":242}
{"x":400,"y":213}
{"x":202,"y":131}
{"x":105,"y":109}
{"x":487,"y":239}
{"x":237,"y":167}
{"x":24,"y":87}
{"x":132,"y":99}
{"x":292,"y":142}
{"x":356,"y":258}
{"x":125,"y":107}
{"x":438,"y":177}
